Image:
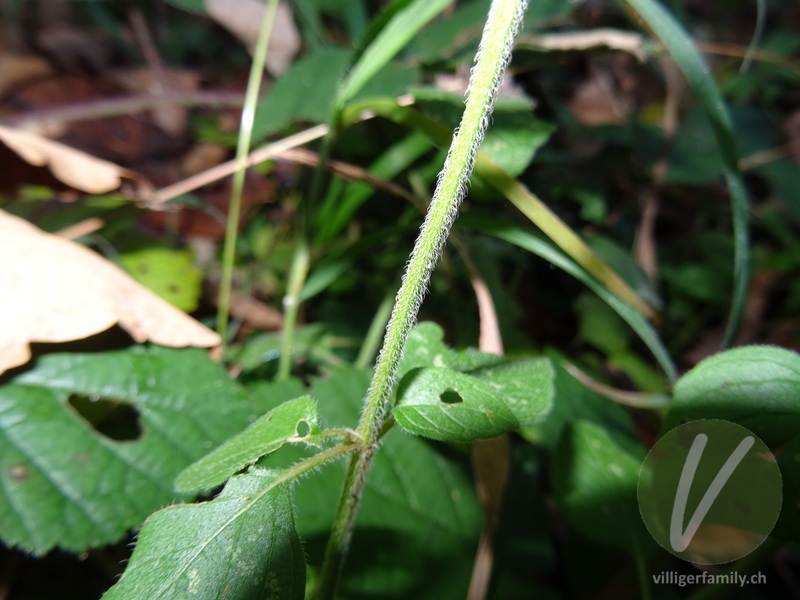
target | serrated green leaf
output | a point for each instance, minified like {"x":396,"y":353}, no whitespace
{"x":757,"y":387}
{"x":276,"y":428}
{"x":445,"y":405}
{"x":167,"y":272}
{"x":467,"y":394}
{"x":595,"y":477}
{"x":240,"y":546}
{"x":424,"y":348}
{"x":64,"y":483}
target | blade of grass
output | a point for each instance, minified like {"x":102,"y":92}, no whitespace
{"x":374,"y":336}
{"x":337,"y":211}
{"x":516,"y":235}
{"x":398,"y":31}
{"x":242,"y":150}
{"x":683,"y":51}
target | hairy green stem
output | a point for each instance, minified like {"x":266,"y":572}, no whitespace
{"x":491,"y":60}
{"x":242,"y":150}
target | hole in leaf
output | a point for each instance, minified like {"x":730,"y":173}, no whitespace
{"x":302,"y":429}
{"x":450,"y":396}
{"x":114,"y":419}
{"x":18,"y":472}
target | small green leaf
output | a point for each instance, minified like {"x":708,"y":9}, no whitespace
{"x":267,"y":434}
{"x":169,"y":273}
{"x":446,"y":405}
{"x":757,"y":387}
{"x":424,"y":348}
{"x":595,"y":476}
{"x":240,"y":546}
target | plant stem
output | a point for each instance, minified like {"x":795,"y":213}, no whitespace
{"x":291,"y":306}
{"x":242,"y":150}
{"x":375,"y":334}
{"x":492,"y":58}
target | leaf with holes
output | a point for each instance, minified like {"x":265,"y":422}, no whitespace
{"x":446,"y":405}
{"x":64,"y":482}
{"x":419,"y":521}
{"x":241,"y":545}
{"x":280,"y":425}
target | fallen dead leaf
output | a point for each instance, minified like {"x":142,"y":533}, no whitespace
{"x":73,"y":167}
{"x":56,"y":291}
{"x":17,"y":68}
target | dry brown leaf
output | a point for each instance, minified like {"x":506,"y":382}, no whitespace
{"x":73,"y":167}
{"x":56,"y":291}
{"x":17,"y":69}
{"x":243,"y":19}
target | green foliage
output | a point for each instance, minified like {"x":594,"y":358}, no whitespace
{"x":463,"y":396}
{"x":594,"y":476}
{"x":757,"y":387}
{"x":67,"y":484}
{"x":93,"y":443}
{"x":276,"y":428}
{"x":515,"y":136}
{"x":243,"y":544}
{"x":414,"y":492}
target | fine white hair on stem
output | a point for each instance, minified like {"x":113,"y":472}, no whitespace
{"x":491,"y":60}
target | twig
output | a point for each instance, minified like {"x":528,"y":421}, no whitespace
{"x":257,"y":156}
